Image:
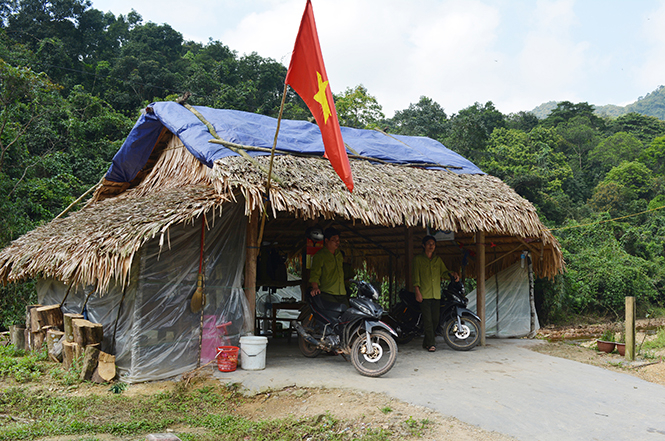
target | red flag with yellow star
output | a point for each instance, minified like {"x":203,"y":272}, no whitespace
{"x":307,"y":76}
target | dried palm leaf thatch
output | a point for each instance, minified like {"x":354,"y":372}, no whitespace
{"x":96,"y":245}
{"x":387,"y":195}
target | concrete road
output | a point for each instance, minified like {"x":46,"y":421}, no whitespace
{"x":503,"y":387}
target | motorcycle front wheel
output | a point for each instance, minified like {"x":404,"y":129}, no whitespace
{"x":307,"y":349}
{"x":462,"y":338}
{"x":382,"y":358}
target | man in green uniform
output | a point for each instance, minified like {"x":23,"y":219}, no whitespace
{"x":327,"y":272}
{"x":428,"y":272}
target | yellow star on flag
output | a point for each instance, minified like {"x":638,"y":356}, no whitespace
{"x":321,"y":97}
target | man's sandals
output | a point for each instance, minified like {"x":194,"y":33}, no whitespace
{"x":431,"y":348}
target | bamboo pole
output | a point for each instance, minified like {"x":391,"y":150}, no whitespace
{"x":94,"y":187}
{"x":250,"y":265}
{"x":272,"y":158}
{"x":480,"y":288}
{"x":630,"y":328}
{"x":213,"y":132}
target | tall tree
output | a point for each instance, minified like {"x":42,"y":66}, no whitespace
{"x":424,"y":118}
{"x":469,"y":131}
{"x":357,"y":108}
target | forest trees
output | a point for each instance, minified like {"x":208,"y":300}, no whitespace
{"x":73,"y":80}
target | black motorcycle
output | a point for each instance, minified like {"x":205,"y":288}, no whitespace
{"x":459,"y":326}
{"x":356,"y":330}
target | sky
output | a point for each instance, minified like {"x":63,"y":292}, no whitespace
{"x":516,"y":53}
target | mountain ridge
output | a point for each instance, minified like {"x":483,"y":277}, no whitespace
{"x":652,"y":104}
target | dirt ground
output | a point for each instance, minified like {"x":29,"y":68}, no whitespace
{"x":360,"y":410}
{"x":578,"y":343}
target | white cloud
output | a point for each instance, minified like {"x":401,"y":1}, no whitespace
{"x":650,"y":74}
{"x":552,"y":63}
{"x":516,"y":54}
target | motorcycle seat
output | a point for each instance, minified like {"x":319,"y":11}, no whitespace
{"x":330,"y":310}
{"x":409,"y":298}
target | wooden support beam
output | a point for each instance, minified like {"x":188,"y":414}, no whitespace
{"x":408,"y":255}
{"x":480,"y":288}
{"x":250,"y":264}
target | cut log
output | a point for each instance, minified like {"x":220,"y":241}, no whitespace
{"x":90,"y":361}
{"x":28,"y":338}
{"x":105,"y":371}
{"x":69,"y":330}
{"x":87,"y":333}
{"x":54,"y":346}
{"x":18,"y":336}
{"x":68,"y":352}
{"x":5,"y":338}
{"x":38,"y":339}
{"x":28,"y":316}
{"x":49,"y":315}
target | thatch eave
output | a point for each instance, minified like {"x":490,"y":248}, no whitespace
{"x":97,"y":245}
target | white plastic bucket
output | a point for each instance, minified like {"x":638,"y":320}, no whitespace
{"x":253,"y":352}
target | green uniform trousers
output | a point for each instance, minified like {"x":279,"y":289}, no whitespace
{"x":430,"y":309}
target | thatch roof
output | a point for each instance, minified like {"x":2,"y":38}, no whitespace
{"x":96,"y":245}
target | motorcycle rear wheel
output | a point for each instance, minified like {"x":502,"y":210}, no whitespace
{"x":307,"y":349}
{"x":402,"y":336}
{"x":463,"y":339}
{"x":383,"y":358}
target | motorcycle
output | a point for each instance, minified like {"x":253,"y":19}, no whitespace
{"x":356,"y":330}
{"x":459,"y":326}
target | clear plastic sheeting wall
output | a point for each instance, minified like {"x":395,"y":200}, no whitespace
{"x":157,"y":336}
{"x":514,"y":306}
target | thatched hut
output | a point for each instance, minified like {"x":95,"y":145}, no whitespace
{"x":179,"y":200}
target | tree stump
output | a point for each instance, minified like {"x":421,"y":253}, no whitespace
{"x":38,"y":338}
{"x":18,"y":336}
{"x":90,"y":360}
{"x":87,"y":333}
{"x":49,"y":315}
{"x":53,"y":343}
{"x":28,"y":315}
{"x":69,"y":330}
{"x":28,"y":338}
{"x":105,"y":371}
{"x":70,"y":352}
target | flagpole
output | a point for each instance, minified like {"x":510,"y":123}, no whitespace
{"x":272,"y":157}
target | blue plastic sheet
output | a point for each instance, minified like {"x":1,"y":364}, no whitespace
{"x":256,"y":130}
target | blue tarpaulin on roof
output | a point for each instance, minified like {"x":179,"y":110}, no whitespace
{"x":256,"y":130}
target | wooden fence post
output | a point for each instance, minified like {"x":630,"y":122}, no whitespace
{"x":630,"y":328}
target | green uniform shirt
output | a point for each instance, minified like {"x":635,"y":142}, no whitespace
{"x":328,"y":271}
{"x":427,"y":275}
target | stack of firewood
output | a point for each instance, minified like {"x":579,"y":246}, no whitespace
{"x":68,"y":337}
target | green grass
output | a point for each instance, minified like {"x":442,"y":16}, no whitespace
{"x":658,"y":342}
{"x":22,"y":367}
{"x":47,"y":408}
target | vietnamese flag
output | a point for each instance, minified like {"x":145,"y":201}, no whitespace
{"x":307,"y":76}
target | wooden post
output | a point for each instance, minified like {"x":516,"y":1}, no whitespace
{"x":630,"y":328}
{"x":250,"y":265}
{"x":408,"y":255}
{"x":480,"y":286}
